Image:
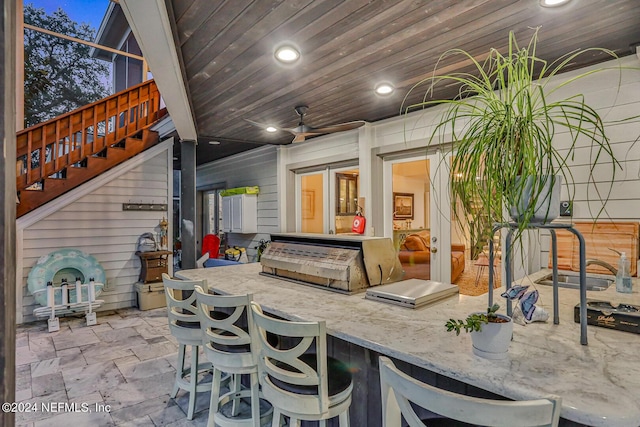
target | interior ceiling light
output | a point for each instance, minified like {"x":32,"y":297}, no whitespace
{"x":553,"y":3}
{"x":384,"y":89}
{"x":214,"y":142}
{"x":287,"y":54}
{"x":271,"y":129}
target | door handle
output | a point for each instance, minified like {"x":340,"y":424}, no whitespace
{"x":434,"y":250}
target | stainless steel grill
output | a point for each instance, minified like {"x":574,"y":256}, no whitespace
{"x":342,"y":263}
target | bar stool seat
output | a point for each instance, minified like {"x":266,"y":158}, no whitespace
{"x":298,"y":378}
{"x":182,"y":315}
{"x":228,"y":346}
{"x":339,"y":378}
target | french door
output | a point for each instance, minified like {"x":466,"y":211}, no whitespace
{"x":417,"y":214}
{"x":327,"y":200}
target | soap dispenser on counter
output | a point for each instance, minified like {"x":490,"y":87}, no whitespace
{"x":623,"y":276}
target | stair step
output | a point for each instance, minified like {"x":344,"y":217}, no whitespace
{"x":93,"y":166}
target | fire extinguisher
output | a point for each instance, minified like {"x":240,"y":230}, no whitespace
{"x":359,"y":223}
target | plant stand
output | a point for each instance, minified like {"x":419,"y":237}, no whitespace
{"x":554,"y":250}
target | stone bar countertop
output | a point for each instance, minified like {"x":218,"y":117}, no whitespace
{"x":599,"y":383}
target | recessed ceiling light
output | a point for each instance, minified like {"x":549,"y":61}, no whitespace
{"x":271,"y":129}
{"x":552,"y":3}
{"x":214,"y":142}
{"x":287,"y":54}
{"x":384,"y":89}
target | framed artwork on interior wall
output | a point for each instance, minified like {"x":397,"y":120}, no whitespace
{"x":308,"y":204}
{"x":402,"y":205}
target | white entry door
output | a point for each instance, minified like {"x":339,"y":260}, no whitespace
{"x":417,"y":206}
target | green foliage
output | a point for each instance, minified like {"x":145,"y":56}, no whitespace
{"x":473,"y":322}
{"x":503,"y":124}
{"x":60,"y":76}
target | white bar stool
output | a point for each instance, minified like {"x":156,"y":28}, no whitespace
{"x":399,"y":391}
{"x":184,"y":325}
{"x":298,"y":377}
{"x":228,"y":346}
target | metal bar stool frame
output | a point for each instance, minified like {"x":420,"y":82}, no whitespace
{"x":182,"y":315}
{"x":229,"y":347}
{"x":297,"y":380}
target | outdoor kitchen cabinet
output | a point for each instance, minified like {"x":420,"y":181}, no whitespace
{"x":240,"y":213}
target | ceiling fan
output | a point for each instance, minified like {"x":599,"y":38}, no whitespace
{"x":302,"y":131}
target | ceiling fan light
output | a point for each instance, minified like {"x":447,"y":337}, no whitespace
{"x":287,"y":54}
{"x":271,"y":129}
{"x":553,"y":3}
{"x":384,"y":89}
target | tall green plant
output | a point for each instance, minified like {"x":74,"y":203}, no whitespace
{"x":503,"y":124}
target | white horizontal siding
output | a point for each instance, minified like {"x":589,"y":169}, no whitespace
{"x":343,"y":145}
{"x":96,"y":224}
{"x":614,"y":94}
{"x":255,"y":167}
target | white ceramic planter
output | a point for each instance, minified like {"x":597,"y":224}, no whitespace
{"x":493,"y":341}
{"x":548,"y":204}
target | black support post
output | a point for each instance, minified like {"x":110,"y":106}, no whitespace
{"x":188,"y":203}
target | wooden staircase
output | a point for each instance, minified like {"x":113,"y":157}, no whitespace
{"x":58,"y":155}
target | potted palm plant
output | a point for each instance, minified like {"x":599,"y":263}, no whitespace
{"x":502,"y":125}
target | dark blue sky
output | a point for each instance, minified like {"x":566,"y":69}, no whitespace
{"x":89,"y":11}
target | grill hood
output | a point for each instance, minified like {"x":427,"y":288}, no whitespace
{"x":343,"y":263}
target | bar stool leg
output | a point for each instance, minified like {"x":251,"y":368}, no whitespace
{"x":344,"y":419}
{"x":275,"y":422}
{"x":179,"y":371}
{"x":235,"y":406}
{"x":194,"y":381}
{"x":255,"y":399}
{"x":215,"y":395}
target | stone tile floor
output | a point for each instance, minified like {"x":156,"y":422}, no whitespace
{"x":125,"y":363}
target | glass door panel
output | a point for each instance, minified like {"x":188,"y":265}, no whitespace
{"x":311,"y":206}
{"x":414,"y":216}
{"x":345,"y":198}
{"x":327,"y":200}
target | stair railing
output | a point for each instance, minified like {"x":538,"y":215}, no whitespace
{"x":49,"y":147}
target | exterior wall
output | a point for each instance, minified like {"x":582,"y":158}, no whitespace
{"x":96,"y":224}
{"x":614,"y":96}
{"x":255,"y":167}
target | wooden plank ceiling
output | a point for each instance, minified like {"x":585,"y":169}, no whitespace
{"x":349,"y":46}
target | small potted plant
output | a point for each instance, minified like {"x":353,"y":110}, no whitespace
{"x":490,"y":332}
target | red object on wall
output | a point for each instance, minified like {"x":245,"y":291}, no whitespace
{"x":211,"y":244}
{"x":359,"y":223}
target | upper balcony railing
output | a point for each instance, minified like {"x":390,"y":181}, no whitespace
{"x":48,"y":148}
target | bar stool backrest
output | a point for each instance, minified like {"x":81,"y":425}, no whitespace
{"x":400,"y":390}
{"x":182,"y":312}
{"x":305,"y":337}
{"x":225,"y":337}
